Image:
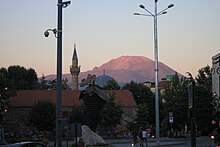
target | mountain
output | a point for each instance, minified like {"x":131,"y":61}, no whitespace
{"x":126,"y":68}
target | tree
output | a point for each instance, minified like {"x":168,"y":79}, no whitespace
{"x":143,"y":116}
{"x":31,"y":78}
{"x":175,"y":99}
{"x":143,"y":95}
{"x":112,"y":85}
{"x":4,"y":80}
{"x":203,"y":93}
{"x":52,"y":84}
{"x":112,"y":113}
{"x":77,"y":115}
{"x":42,"y":115}
{"x":43,"y":83}
{"x":6,"y":92}
{"x":21,"y":78}
{"x":65,"y":84}
{"x":5,"y":95}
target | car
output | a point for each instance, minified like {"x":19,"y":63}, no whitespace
{"x":25,"y":144}
{"x":3,"y":142}
{"x":215,"y":136}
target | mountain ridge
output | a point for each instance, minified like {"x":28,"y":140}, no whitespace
{"x":125,"y":69}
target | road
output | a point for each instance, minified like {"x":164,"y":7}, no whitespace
{"x":200,"y":142}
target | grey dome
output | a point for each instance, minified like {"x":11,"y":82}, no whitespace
{"x":102,"y":80}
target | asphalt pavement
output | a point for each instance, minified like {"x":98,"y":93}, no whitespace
{"x":164,"y":141}
{"x":203,"y":141}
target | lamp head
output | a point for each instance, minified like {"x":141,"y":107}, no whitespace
{"x":136,"y":14}
{"x":46,"y":33}
{"x":65,"y":4}
{"x":142,"y":6}
{"x":171,"y":5}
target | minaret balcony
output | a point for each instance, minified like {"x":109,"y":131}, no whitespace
{"x":74,"y":69}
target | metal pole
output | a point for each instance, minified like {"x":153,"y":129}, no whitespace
{"x":156,"y":77}
{"x":59,"y":76}
{"x":193,"y":117}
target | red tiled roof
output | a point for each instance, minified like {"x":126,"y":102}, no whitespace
{"x":123,"y":97}
{"x":27,"y":98}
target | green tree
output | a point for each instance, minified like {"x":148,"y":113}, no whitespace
{"x":111,"y":113}
{"x":5,"y":95}
{"x":203,"y":93}
{"x":6,"y":91}
{"x":4,"y":80}
{"x":53,"y":83}
{"x":142,"y":117}
{"x":19,"y":78}
{"x":43,"y":83}
{"x":65,"y":84}
{"x":77,"y":115}
{"x":143,"y":95}
{"x":175,"y":99}
{"x":112,"y":85}
{"x":42,"y":115}
{"x":31,"y":78}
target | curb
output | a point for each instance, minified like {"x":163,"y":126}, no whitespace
{"x":154,"y":144}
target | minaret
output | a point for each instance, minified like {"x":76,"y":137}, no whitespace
{"x":74,"y":69}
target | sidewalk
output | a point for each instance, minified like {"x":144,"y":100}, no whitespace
{"x":164,"y":141}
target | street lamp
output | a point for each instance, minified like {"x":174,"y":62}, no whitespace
{"x":46,"y":33}
{"x":155,"y":60}
{"x":58,"y":34}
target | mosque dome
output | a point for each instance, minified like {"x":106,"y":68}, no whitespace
{"x":102,"y":80}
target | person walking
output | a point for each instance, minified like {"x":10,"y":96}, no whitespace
{"x":144,"y":137}
{"x":139,"y":137}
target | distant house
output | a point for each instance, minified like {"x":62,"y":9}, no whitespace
{"x":21,"y":104}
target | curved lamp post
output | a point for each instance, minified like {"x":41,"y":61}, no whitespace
{"x":58,"y":34}
{"x":156,"y":61}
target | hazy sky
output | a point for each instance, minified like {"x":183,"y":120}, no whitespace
{"x":189,"y":34}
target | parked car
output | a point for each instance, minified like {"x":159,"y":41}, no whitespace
{"x":215,"y":136}
{"x":3,"y":142}
{"x":25,"y":144}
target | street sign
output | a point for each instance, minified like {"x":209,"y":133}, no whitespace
{"x":171,"y":119}
{"x":63,"y":115}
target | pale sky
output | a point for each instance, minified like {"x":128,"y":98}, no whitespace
{"x":188,"y":35}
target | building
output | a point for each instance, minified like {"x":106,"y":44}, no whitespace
{"x":22,"y":103}
{"x":216,"y":74}
{"x":74,"y":70}
{"x":102,"y":80}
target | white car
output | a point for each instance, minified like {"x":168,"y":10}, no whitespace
{"x":25,"y":144}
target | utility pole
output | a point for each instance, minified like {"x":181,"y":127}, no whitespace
{"x":192,"y":110}
{"x":58,"y":34}
{"x":156,"y":69}
{"x":59,"y":75}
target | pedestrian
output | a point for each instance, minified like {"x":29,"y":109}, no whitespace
{"x":139,"y":137}
{"x":144,"y":137}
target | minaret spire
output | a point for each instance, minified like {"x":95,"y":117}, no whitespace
{"x":75,"y":70}
{"x":75,"y":53}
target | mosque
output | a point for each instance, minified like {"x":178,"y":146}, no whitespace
{"x":75,"y":70}
{"x":26,"y":99}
